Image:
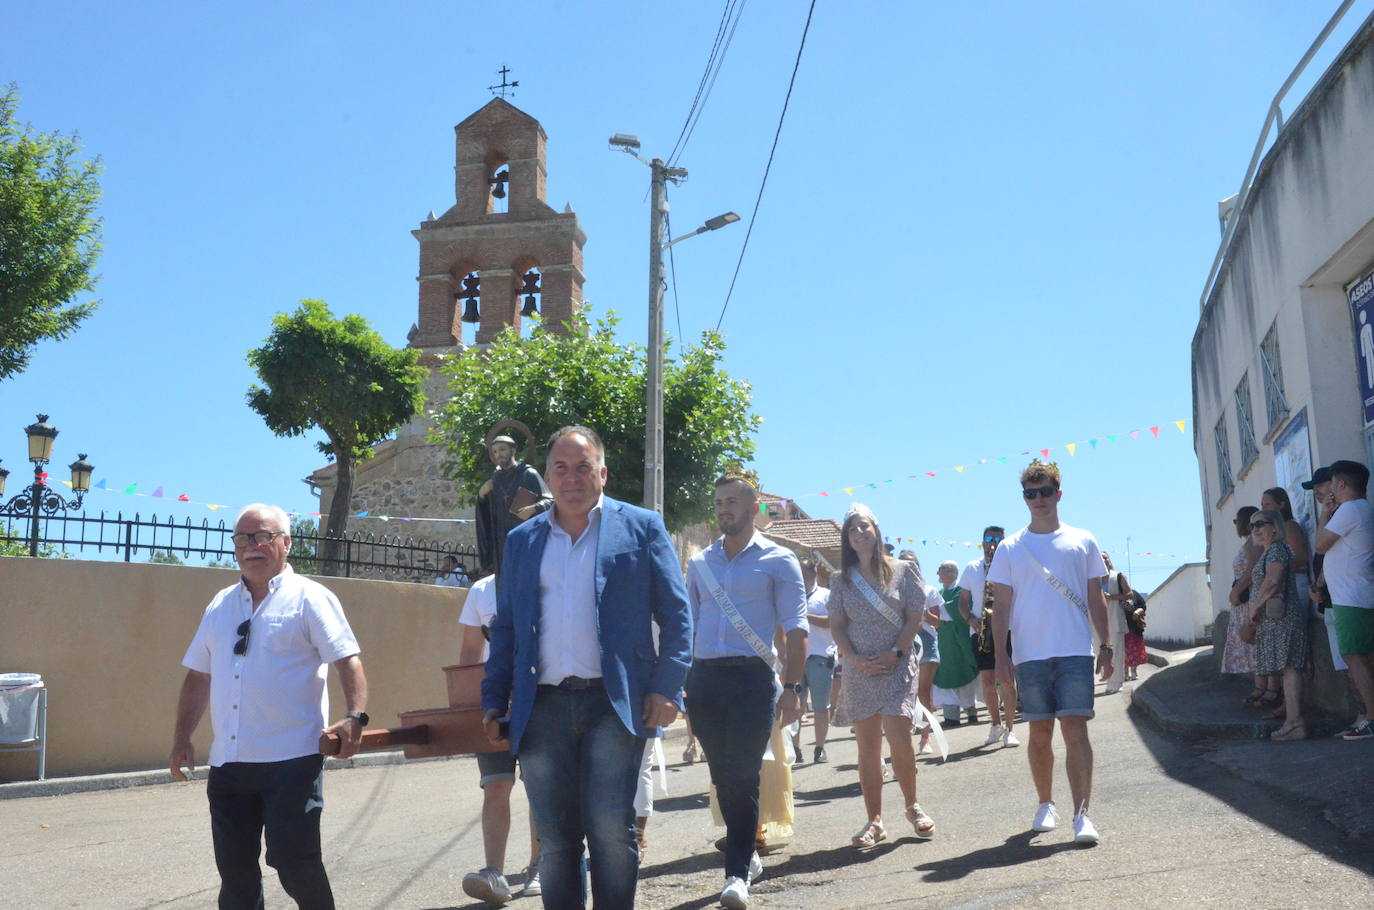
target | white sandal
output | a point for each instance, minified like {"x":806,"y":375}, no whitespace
{"x":924,"y":824}
{"x":868,"y":836}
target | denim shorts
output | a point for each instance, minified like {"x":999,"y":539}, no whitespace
{"x":1055,"y":687}
{"x":930,"y":646}
{"x":817,"y":679}
{"x":495,"y":766}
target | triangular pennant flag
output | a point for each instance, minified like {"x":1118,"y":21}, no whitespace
{"x":1154,"y":431}
{"x":131,"y":488}
{"x":101,"y":486}
{"x":362,"y":514}
{"x":959,"y":468}
{"x":1045,"y":452}
{"x":923,"y":541}
{"x":1111,"y":438}
{"x":849,"y":491}
{"x":1180,"y":424}
{"x":822,"y":494}
{"x":1093,"y":443}
{"x":1003,"y":459}
{"x":384,"y":517}
{"x":67,"y":482}
{"x":212,"y":508}
{"x":42,"y":476}
{"x":1071,"y":446}
{"x":930,"y":473}
{"x":873,"y":485}
{"x":1135,"y":434}
{"x":157,"y":494}
{"x":183,"y":498}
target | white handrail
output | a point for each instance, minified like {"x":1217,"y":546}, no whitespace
{"x":1274,"y":114}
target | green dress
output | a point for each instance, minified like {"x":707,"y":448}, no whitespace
{"x":957,"y":666}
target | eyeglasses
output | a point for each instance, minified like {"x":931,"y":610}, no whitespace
{"x":991,"y":539}
{"x":1046,"y":491}
{"x":259,"y":538}
{"x":1261,"y":524}
{"x":241,"y":647}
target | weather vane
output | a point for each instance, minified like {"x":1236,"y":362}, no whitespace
{"x":501,"y":90}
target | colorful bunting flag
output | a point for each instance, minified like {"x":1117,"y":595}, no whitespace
{"x":1071,"y":446}
{"x":1154,"y":431}
{"x":1180,"y":424}
{"x":131,"y":488}
{"x":183,"y":498}
{"x":157,"y":494}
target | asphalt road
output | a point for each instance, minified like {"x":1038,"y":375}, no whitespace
{"x":1176,"y":829}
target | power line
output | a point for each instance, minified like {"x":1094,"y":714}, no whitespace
{"x":781,"y":117}
{"x":672,"y":270}
{"x":725,"y":34}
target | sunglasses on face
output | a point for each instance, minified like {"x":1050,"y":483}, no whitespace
{"x":991,"y":539}
{"x":1046,"y":491}
{"x":1260,"y":524}
{"x":241,"y":647}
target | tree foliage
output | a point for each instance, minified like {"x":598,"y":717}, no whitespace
{"x":338,"y":376}
{"x":585,"y":376}
{"x":49,"y":235}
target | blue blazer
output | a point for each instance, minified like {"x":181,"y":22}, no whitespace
{"x":638,"y":579}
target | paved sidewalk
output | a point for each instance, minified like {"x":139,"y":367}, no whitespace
{"x":1329,"y":777}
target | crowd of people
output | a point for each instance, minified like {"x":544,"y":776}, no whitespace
{"x":1280,"y":583}
{"x":594,"y":639}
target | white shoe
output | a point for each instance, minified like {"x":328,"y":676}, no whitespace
{"x":925,"y":748}
{"x":1112,"y":690}
{"x":1009,"y":739}
{"x":994,"y":734}
{"x":1083,"y":830}
{"x":487,"y":885}
{"x":755,"y":867}
{"x":736,"y":894}
{"x":1046,"y":817}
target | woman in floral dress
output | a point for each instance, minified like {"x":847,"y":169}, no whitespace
{"x":1239,"y":656}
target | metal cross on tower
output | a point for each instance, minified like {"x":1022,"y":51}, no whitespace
{"x":500,"y":90}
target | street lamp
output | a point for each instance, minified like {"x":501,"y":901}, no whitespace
{"x":653,"y":398}
{"x":38,"y":498}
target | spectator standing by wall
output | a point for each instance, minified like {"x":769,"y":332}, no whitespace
{"x":1348,"y":543}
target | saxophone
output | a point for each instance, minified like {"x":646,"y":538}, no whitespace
{"x":985,"y":633}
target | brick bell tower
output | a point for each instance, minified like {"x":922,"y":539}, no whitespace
{"x":475,"y":258}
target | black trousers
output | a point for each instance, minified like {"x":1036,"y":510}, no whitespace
{"x":285,"y":798}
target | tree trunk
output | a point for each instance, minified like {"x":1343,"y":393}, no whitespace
{"x":331,"y":545}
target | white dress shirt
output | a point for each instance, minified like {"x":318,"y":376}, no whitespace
{"x":569,"y":644}
{"x":270,"y":703}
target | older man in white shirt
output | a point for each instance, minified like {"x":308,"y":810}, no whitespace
{"x":259,"y":661}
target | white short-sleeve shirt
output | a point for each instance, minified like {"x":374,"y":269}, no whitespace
{"x":480,"y":607}
{"x":1045,"y":623}
{"x":972,"y":580}
{"x":1349,"y":564}
{"x":271,"y":703}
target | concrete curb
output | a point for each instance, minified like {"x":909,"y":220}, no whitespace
{"x":1149,"y":704}
{"x":123,"y":780}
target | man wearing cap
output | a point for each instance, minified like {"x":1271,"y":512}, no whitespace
{"x":513,"y":493}
{"x":1320,"y":485}
{"x":1347,"y":542}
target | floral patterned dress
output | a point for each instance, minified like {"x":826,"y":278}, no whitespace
{"x":872,"y":634}
{"x":1238,"y":657}
{"x":1280,"y":644}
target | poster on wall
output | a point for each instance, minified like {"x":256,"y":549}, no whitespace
{"x":1293,"y":465}
{"x":1361,"y":296}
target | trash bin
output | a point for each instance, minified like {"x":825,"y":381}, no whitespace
{"x":19,"y":708}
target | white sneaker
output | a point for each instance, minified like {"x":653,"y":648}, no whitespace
{"x":755,"y":867}
{"x":487,"y":885}
{"x":994,"y":734}
{"x":1009,"y":739}
{"x":736,"y":894}
{"x":1083,"y":830}
{"x":925,"y":748}
{"x":532,"y":886}
{"x":1046,"y":817}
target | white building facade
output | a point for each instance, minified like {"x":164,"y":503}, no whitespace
{"x":1283,"y":355}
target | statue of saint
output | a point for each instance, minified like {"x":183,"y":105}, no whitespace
{"x":513,"y":493}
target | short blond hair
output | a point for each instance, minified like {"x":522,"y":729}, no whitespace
{"x":1039,"y":472}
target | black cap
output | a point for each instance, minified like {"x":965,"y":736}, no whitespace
{"x":1321,"y":475}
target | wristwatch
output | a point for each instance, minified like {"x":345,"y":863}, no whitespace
{"x":900,"y":652}
{"x":360,"y":716}
{"x":794,"y":687}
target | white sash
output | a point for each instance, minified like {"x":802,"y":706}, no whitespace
{"x":1058,"y":584}
{"x":875,"y":600}
{"x":751,"y":638}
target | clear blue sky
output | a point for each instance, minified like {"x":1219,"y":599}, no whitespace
{"x":985,"y":231}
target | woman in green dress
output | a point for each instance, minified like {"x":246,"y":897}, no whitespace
{"x":956,"y":679}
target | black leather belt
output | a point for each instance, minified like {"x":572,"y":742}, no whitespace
{"x":578,"y":683}
{"x":730,"y":661}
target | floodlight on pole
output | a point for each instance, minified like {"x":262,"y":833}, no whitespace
{"x":712,"y":224}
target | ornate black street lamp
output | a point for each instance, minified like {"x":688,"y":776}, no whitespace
{"x":38,"y":498}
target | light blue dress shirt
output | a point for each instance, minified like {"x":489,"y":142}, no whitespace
{"x":568,"y":641}
{"x":763,"y":581}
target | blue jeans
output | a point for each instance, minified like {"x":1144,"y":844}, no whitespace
{"x":731,"y":707}
{"x":581,"y":768}
{"x":1055,"y":687}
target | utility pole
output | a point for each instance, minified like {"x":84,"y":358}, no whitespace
{"x":653,"y":390}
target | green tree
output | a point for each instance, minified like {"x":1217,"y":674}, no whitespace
{"x":585,"y":376}
{"x":302,"y":555}
{"x":49,"y":235}
{"x":338,"y":376}
{"x":165,"y":558}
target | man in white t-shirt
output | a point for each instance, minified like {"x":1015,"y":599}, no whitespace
{"x":1348,"y":544}
{"x":496,"y":770}
{"x":820,"y":657}
{"x":1046,"y":582}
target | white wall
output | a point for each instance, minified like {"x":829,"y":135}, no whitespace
{"x":1181,"y":608}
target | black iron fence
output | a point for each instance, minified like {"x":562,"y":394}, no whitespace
{"x":359,"y":555}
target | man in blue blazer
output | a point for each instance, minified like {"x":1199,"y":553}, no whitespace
{"x":573,"y":661}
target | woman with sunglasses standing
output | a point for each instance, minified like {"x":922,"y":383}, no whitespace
{"x":1281,"y":633}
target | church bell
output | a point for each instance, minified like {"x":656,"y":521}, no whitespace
{"x":470,"y":313}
